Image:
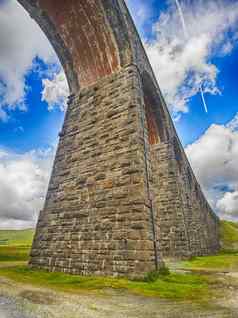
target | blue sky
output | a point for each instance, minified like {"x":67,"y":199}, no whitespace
{"x":33,"y":94}
{"x":222,"y":108}
{"x":35,"y":128}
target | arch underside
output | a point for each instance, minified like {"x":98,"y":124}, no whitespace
{"x":154,"y":110}
{"x":89,"y":37}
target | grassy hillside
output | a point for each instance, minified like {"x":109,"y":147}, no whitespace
{"x":16,"y":238}
{"x":15,"y":245}
{"x":229,"y":236}
{"x":227,"y":259}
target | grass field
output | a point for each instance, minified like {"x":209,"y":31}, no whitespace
{"x":223,"y":262}
{"x":14,"y":253}
{"x":229,"y":236}
{"x":16,"y":238}
{"x":180,"y":286}
{"x":226,"y":260}
{"x":15,"y":245}
{"x":172,"y":286}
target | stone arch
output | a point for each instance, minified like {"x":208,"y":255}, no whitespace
{"x":108,"y":196}
{"x":90,"y":47}
{"x":154,"y":111}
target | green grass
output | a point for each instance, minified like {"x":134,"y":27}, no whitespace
{"x":227,"y":259}
{"x":172,"y":286}
{"x":16,"y":238}
{"x":222,"y":262}
{"x":229,"y":236}
{"x":14,"y":253}
{"x":15,"y":245}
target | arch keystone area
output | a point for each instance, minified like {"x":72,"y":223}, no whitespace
{"x":122,"y":194}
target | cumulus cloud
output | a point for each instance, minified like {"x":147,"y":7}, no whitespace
{"x":183,"y":64}
{"x":55,"y":91}
{"x":214,"y":160}
{"x":228,"y":204}
{"x":23,"y":184}
{"x":21,"y":42}
{"x":141,"y":11}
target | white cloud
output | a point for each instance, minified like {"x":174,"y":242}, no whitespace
{"x":233,"y":124}
{"x":227,"y":48}
{"x":141,"y":11}
{"x":214,"y":160}
{"x":228,"y":204}
{"x":55,"y":91}
{"x":23,"y":184}
{"x":21,"y":41}
{"x":182,"y":65}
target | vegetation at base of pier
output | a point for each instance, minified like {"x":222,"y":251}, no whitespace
{"x":154,"y":275}
{"x":172,"y":286}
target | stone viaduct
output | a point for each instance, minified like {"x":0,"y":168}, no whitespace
{"x":122,"y":194}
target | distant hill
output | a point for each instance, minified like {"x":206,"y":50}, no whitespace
{"x":16,"y":237}
{"x":229,"y":235}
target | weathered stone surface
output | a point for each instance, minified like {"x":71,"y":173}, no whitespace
{"x":122,"y":193}
{"x":95,"y":217}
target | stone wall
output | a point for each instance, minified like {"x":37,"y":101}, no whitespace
{"x":122,"y":193}
{"x":97,"y":215}
{"x":186,"y":224}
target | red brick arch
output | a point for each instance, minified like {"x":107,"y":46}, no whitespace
{"x":84,"y":37}
{"x":154,"y":110}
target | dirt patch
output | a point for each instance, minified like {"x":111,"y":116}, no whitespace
{"x":44,"y":303}
{"x":9,"y":308}
{"x":37,"y":297}
{"x":38,"y":302}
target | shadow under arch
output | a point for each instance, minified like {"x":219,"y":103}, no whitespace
{"x":89,"y":48}
{"x":156,"y":116}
